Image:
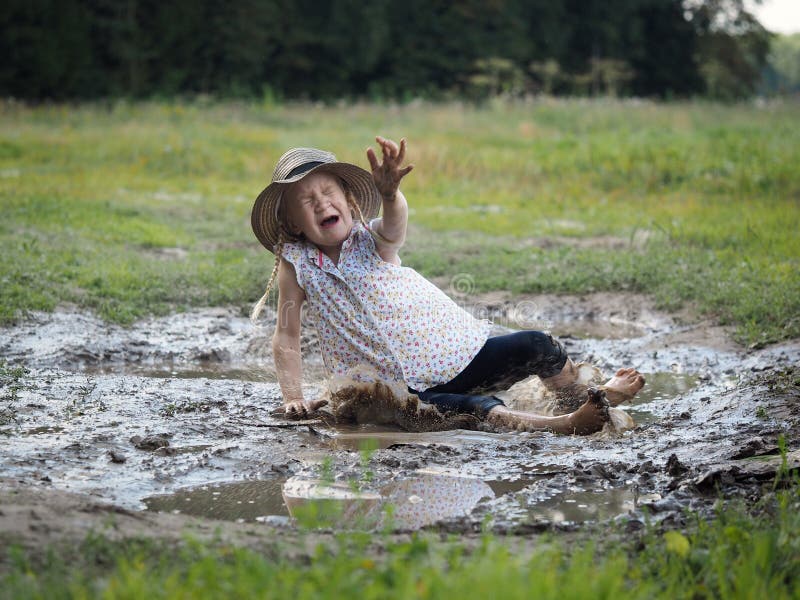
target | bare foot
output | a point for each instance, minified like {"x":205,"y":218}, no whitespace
{"x":623,"y":386}
{"x":592,"y":414}
{"x":588,"y":418}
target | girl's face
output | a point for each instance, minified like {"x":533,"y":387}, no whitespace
{"x":317,"y":207}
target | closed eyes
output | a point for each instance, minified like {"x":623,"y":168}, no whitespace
{"x":310,"y":199}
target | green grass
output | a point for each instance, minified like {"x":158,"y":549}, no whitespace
{"x":133,"y":209}
{"x":736,"y":555}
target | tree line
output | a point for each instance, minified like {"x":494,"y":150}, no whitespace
{"x":381,"y":49}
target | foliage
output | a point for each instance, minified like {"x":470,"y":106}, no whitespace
{"x":733,"y":45}
{"x":782,"y":74}
{"x":302,"y":49}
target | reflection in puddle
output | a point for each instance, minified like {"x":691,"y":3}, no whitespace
{"x":660,"y":387}
{"x":664,"y":386}
{"x":412,"y":503}
{"x":501,"y":488}
{"x":245,"y":500}
{"x":317,"y":503}
{"x":432,"y":497}
{"x":408,"y":504}
{"x":587,"y":505}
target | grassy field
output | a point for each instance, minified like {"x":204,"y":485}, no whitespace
{"x":131,"y":209}
{"x":739,"y":554}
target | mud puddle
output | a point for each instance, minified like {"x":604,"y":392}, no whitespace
{"x":587,"y":505}
{"x":174,"y":414}
{"x":239,"y":501}
{"x":265,"y":500}
{"x":660,"y":388}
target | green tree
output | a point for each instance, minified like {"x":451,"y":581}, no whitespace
{"x":46,"y":49}
{"x":732,"y":47}
{"x":783,"y":65}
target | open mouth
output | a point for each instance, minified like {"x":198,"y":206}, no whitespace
{"x":329,"y":221}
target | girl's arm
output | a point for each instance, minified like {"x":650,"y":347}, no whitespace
{"x":391,"y":228}
{"x":286,"y":343}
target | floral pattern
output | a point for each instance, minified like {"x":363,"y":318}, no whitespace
{"x":385,"y":317}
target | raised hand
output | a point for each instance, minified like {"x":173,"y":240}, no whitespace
{"x":387,"y":174}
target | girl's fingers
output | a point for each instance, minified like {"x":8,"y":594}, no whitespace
{"x":382,"y":143}
{"x":295,"y":410}
{"x":402,"y":153}
{"x":390,"y":149}
{"x":373,"y":160}
{"x":387,"y":151}
{"x":393,"y":156}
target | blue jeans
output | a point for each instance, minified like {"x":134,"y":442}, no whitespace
{"x":501,"y":362}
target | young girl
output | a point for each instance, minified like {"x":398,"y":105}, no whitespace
{"x":320,"y":218}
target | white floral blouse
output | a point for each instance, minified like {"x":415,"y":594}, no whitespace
{"x":376,"y":317}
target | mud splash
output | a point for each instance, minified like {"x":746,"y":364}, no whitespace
{"x":201,"y":384}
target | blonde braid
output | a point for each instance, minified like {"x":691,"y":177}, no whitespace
{"x":259,"y":306}
{"x":351,"y":200}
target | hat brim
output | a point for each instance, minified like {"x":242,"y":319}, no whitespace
{"x":264,"y":216}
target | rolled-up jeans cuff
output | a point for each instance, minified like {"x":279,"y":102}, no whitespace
{"x":482,"y":408}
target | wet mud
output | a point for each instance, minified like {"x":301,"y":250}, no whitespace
{"x":176,"y":415}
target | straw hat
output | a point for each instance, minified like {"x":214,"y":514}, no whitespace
{"x":293,"y":166}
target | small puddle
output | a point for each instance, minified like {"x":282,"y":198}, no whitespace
{"x":586,"y":505}
{"x":576,"y":506}
{"x":410,"y":503}
{"x":242,"y":500}
{"x":664,"y":386}
{"x":660,"y":387}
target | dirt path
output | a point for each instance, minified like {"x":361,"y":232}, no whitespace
{"x":173,"y":414}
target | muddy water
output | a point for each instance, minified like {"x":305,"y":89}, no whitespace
{"x":586,"y":505}
{"x":660,"y":388}
{"x":245,"y":500}
{"x":174,"y":414}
